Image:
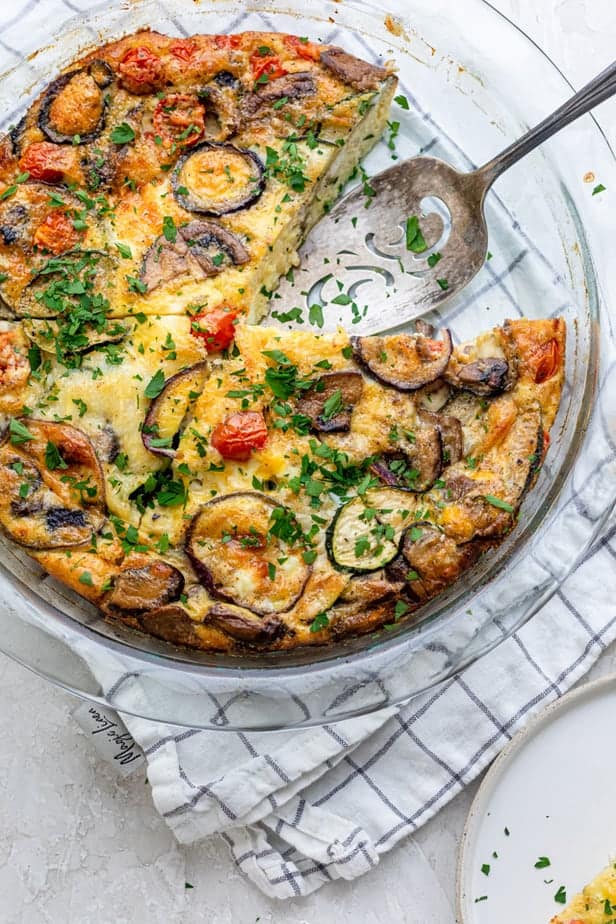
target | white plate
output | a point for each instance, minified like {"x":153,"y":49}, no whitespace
{"x":551,"y":788}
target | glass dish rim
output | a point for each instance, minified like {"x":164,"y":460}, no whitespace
{"x":171,"y":663}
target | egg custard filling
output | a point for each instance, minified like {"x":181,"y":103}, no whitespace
{"x":200,"y":478}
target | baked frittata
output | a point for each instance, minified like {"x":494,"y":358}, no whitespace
{"x":211,"y":482}
{"x":595,"y":904}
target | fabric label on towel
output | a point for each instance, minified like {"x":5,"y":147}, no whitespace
{"x":110,"y":737}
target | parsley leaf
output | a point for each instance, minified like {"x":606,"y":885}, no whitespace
{"x":19,"y":433}
{"x":122,"y":134}
{"x":415,"y":240}
{"x":155,"y":385}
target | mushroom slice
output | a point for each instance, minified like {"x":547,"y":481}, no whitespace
{"x":216,"y":179}
{"x":45,"y":333}
{"x":63,"y":283}
{"x":485,"y":366}
{"x":405,"y":361}
{"x":243,"y":625}
{"x":243,"y":550}
{"x":488,"y":376}
{"x":289,"y":87}
{"x":359,"y":74}
{"x":73,"y":107}
{"x":330,"y":401}
{"x":53,"y":485}
{"x":145,"y":587}
{"x":201,"y":249}
{"x":365,"y":533}
{"x":167,"y":412}
{"x":416,"y":464}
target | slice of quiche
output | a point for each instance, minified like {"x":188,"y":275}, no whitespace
{"x":292,"y":489}
{"x":595,"y":904}
{"x":178,"y":174}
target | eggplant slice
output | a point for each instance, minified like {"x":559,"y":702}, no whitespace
{"x":330,"y":401}
{"x":417,"y":463}
{"x":451,"y":433}
{"x":243,"y":626}
{"x":405,"y":361}
{"x":145,"y":587}
{"x":217,"y":179}
{"x":73,"y":108}
{"x":201,"y":249}
{"x":163,"y":422}
{"x":433,"y":561}
{"x":54,"y":493}
{"x":365,"y":533}
{"x":170,"y":623}
{"x":234,"y":546}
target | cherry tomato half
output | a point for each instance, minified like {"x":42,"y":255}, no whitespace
{"x":546,"y":361}
{"x":266,"y":65}
{"x":56,"y":234}
{"x":184,"y":49}
{"x":227,"y":41}
{"x":216,"y":327}
{"x":309,"y":51}
{"x":47,"y":162}
{"x":237,"y":435}
{"x":179,"y":118}
{"x":141,"y":70}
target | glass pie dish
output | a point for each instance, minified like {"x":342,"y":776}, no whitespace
{"x":469,"y":94}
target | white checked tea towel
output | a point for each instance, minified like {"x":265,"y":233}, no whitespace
{"x":299,"y":809}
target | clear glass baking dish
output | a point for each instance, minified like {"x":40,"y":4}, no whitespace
{"x":474,"y":83}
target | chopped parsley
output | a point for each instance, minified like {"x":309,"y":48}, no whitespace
{"x":497,"y":502}
{"x":320,"y":621}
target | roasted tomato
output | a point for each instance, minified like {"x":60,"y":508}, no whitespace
{"x":546,"y":361}
{"x":266,"y":67}
{"x":48,"y":162}
{"x":309,"y":51}
{"x":180,"y":119}
{"x":237,"y":435}
{"x":141,"y":70}
{"x":184,"y":49}
{"x":228,"y":41}
{"x":216,"y":327}
{"x":56,"y":234}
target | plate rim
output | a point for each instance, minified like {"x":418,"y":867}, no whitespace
{"x":496,"y":769}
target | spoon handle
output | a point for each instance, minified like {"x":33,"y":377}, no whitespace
{"x":597,"y":91}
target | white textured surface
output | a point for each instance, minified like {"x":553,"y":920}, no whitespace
{"x":79,"y":845}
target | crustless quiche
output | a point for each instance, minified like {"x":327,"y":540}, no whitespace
{"x":208,"y":481}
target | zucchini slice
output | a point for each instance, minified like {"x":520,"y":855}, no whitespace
{"x":45,"y":333}
{"x":238,"y":546}
{"x":216,"y":179}
{"x":365,"y":533}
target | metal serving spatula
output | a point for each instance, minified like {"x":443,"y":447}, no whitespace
{"x":353,"y":244}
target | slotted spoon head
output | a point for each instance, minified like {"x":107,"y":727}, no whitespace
{"x":356,"y":268}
